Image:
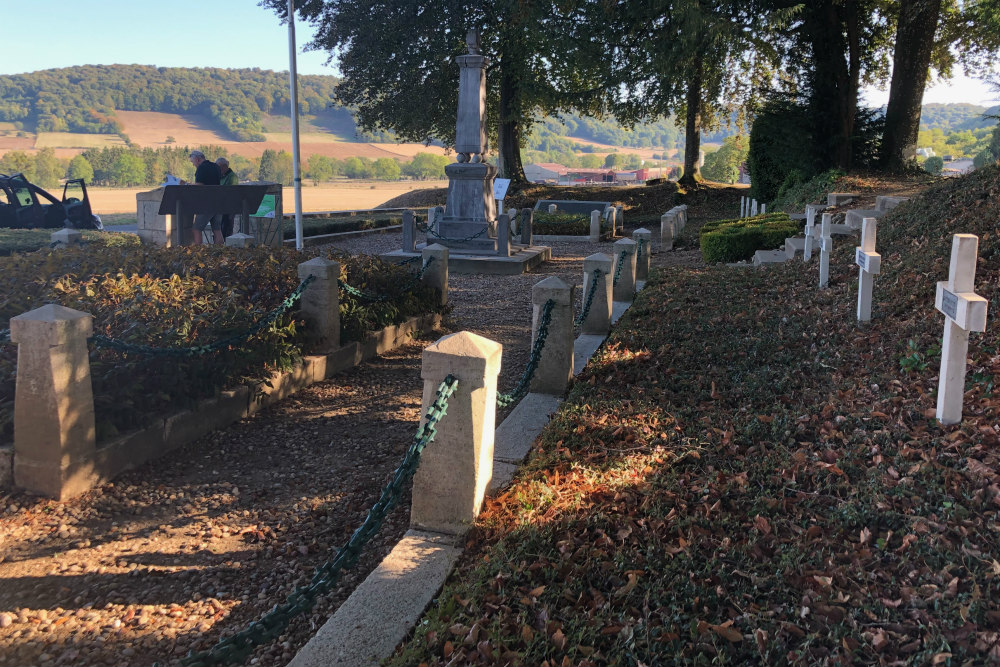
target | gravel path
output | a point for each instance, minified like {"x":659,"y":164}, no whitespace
{"x":188,"y":549}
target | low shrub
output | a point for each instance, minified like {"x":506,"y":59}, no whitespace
{"x":561,"y":224}
{"x":319,"y":226}
{"x":794,"y":194}
{"x":29,"y":240}
{"x":179,"y":297}
{"x":736,"y":240}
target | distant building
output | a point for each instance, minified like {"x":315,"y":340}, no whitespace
{"x":550,"y":172}
{"x":546,"y":172}
{"x":925,"y":152}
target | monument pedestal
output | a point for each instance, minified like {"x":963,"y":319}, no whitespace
{"x":466,"y":224}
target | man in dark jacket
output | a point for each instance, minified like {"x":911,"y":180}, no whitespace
{"x":206,"y":173}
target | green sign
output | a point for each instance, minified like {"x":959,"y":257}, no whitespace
{"x":266,"y":209}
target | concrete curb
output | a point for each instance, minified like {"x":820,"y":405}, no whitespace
{"x":384,"y":608}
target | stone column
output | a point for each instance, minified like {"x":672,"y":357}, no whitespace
{"x":595,"y":226}
{"x":625,"y":289}
{"x":240,"y":240}
{"x":320,"y":303}
{"x":436,"y":274}
{"x":54,"y":434}
{"x":642,"y":259}
{"x":409,"y":232}
{"x":503,"y":236}
{"x":666,"y":231}
{"x":527,"y":226}
{"x":456,"y":467}
{"x":66,"y":237}
{"x":555,"y":368}
{"x":598,"y":320}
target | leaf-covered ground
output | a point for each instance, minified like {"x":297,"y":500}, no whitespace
{"x":746,"y":476}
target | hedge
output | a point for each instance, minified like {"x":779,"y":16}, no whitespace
{"x":319,"y":226}
{"x":29,"y":240}
{"x":562,"y":224}
{"x":736,"y":240}
{"x":179,"y":297}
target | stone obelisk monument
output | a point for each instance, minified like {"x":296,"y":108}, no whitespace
{"x":470,"y":215}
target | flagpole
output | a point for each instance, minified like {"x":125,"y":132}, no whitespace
{"x":296,"y":158}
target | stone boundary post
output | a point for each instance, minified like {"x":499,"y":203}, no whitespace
{"x":66,"y":237}
{"x":54,"y":434}
{"x":595,"y":226}
{"x":666,"y":231}
{"x":456,"y":468}
{"x":598,"y":320}
{"x":320,"y":303}
{"x":503,"y":235}
{"x":553,"y":208}
{"x":527,"y":226}
{"x":620,"y":217}
{"x":436,"y":274}
{"x":512,"y":214}
{"x":683,"y":217}
{"x":642,"y":263}
{"x":409,"y":232}
{"x":625,"y":289}
{"x":240,"y":240}
{"x":555,"y":368}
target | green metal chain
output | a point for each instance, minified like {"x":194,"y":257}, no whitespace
{"x":594,"y":279}
{"x":411,"y":260}
{"x":197,"y":350}
{"x":370,"y":296}
{"x":504,"y":400}
{"x":618,"y":270}
{"x":237,"y":647}
{"x":426,"y":229}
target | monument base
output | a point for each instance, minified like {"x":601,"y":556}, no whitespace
{"x":522,"y":260}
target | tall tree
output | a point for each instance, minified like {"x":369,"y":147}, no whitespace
{"x":398,"y":72}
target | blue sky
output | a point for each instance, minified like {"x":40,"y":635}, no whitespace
{"x":223,"y":33}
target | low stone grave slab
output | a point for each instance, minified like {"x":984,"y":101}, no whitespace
{"x":887,"y":203}
{"x":522,"y":260}
{"x":762,"y":257}
{"x":838,"y":198}
{"x":856,"y":217}
{"x":796,"y":245}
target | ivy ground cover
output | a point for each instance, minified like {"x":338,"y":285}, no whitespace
{"x":743,"y":475}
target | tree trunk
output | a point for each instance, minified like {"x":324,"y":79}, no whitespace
{"x":692,"y":127}
{"x":832,"y":104}
{"x":915,"y":28}
{"x":509,"y":133}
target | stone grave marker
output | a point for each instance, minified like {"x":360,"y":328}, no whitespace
{"x":964,"y":311}
{"x":869,"y":265}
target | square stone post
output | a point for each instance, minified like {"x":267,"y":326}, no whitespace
{"x":610,"y":217}
{"x":66,"y":237}
{"x":54,"y":434}
{"x":964,"y":311}
{"x":667,"y":231}
{"x":240,"y":240}
{"x":409,"y":232}
{"x":598,"y":320}
{"x":455,"y":469}
{"x":620,"y":217}
{"x":595,"y":226}
{"x":643,"y":249}
{"x":682,"y":218}
{"x":503,"y":235}
{"x":624,"y":290}
{"x":555,"y":368}
{"x":553,"y":208}
{"x":436,"y":275}
{"x":825,"y":248}
{"x":753,"y":208}
{"x":527,"y":226}
{"x":320,"y":302}
{"x":512,"y":214}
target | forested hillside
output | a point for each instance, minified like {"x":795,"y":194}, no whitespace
{"x":957,"y":117}
{"x":83,"y":99}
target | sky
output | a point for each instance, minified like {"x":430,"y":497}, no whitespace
{"x":223,"y":33}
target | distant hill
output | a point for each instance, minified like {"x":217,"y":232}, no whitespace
{"x":957,"y":117}
{"x":84,"y":99}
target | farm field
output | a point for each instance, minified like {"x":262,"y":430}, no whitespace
{"x":324,"y":197}
{"x":76,"y":140}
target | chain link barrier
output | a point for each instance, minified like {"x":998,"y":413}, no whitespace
{"x":618,"y":270}
{"x":595,"y":277}
{"x":237,"y":647}
{"x":371,"y":296}
{"x":424,"y":227}
{"x":411,"y":260}
{"x":198,"y":350}
{"x":504,"y":400}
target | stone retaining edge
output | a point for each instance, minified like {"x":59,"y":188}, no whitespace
{"x":179,"y":429}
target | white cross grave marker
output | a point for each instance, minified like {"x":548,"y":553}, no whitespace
{"x":742,"y":199}
{"x":807,"y":252}
{"x":825,"y":247}
{"x":870,"y":265}
{"x":964,"y":311}
{"x":763,"y":209}
{"x":753,"y":208}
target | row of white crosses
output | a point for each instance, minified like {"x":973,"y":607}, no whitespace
{"x":748,"y":207}
{"x":964,"y":310}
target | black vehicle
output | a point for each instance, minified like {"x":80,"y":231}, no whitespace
{"x":24,"y":205}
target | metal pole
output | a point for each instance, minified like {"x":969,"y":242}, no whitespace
{"x":296,"y":166}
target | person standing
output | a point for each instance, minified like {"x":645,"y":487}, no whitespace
{"x":205,"y":173}
{"x":229,"y":177}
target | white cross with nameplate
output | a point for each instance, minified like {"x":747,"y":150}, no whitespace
{"x":825,"y":247}
{"x":869,"y":265}
{"x":753,"y":208}
{"x":964,"y":311}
